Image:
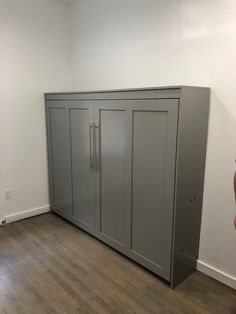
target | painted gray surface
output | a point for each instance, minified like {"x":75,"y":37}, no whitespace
{"x":149,"y":169}
{"x":49,"y":154}
{"x":154,"y":146}
{"x":61,"y":162}
{"x":133,"y":93}
{"x":113,"y":177}
{"x":83,"y":205}
{"x":125,"y":94}
{"x":192,"y":140}
{"x":113,"y":172}
{"x":183,"y":190}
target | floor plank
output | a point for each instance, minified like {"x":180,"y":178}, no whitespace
{"x":47,"y":265}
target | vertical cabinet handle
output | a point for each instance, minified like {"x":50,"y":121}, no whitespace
{"x":96,"y":145}
{"x":91,"y":146}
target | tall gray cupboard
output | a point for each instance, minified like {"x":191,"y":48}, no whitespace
{"x":127,"y":166}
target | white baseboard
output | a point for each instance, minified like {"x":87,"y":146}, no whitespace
{"x":27,"y":213}
{"x":217,"y":274}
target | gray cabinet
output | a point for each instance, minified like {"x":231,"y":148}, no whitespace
{"x":128,"y":167}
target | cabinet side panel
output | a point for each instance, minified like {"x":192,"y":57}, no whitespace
{"x":192,"y":140}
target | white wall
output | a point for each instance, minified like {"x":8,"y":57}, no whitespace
{"x":132,"y":43}
{"x":33,"y":59}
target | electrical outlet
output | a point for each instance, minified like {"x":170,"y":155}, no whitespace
{"x":7,"y":194}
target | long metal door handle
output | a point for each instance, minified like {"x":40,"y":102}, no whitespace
{"x":97,"y":153}
{"x":91,"y":146}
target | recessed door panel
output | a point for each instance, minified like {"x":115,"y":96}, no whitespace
{"x":61,"y":161}
{"x":154,"y":143}
{"x":82,"y":167}
{"x":114,"y":173}
{"x":113,"y":150}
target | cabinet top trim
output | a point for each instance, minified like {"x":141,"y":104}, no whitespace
{"x":147,"y":92}
{"x":125,"y":89}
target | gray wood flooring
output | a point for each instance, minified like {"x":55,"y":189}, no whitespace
{"x":47,"y":265}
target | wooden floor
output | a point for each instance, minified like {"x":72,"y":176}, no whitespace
{"x":49,"y":266}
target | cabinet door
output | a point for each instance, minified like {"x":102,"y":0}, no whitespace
{"x":60,"y":160}
{"x":153,"y":163}
{"x":81,"y":119}
{"x":113,"y":140}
